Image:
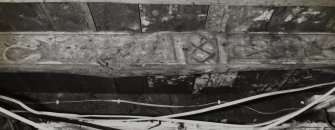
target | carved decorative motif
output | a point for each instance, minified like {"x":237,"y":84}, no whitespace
{"x":201,"y":48}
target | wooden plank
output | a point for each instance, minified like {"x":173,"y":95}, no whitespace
{"x":217,"y":18}
{"x":118,"y":55}
{"x":25,"y":17}
{"x":116,"y":17}
{"x":234,"y":19}
{"x":303,"y":19}
{"x":248,"y":19}
{"x":69,"y":16}
{"x":204,"y":2}
{"x":173,"y":17}
{"x":4,"y":24}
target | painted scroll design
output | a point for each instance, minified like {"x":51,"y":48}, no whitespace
{"x":130,"y":53}
{"x":24,"y":53}
{"x":283,"y":48}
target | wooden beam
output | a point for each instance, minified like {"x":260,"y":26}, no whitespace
{"x":203,"y":2}
{"x":71,"y":17}
{"x":162,"y":53}
{"x":115,"y":17}
{"x":24,"y":17}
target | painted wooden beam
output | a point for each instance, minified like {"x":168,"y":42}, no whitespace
{"x":162,"y":53}
{"x":203,"y":2}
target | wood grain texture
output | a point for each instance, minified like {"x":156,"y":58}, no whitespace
{"x":116,"y":17}
{"x":69,"y":16}
{"x":248,"y":19}
{"x":203,"y":2}
{"x":120,"y":55}
{"x":25,"y":17}
{"x":217,"y":18}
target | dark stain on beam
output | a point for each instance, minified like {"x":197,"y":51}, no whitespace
{"x":25,"y":17}
{"x":116,"y":17}
{"x":173,"y":17}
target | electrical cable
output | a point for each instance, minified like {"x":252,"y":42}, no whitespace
{"x":165,"y":118}
{"x":227,"y":104}
{"x":162,"y":106}
{"x":190,"y":121}
{"x":128,"y":102}
{"x":173,"y":120}
{"x":294,"y":114}
{"x":328,"y":121}
{"x":67,"y":115}
{"x":194,"y":122}
{"x":22,"y":119}
{"x":327,"y":102}
{"x":213,"y":107}
{"x":270,"y":113}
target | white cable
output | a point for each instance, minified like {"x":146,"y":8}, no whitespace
{"x":76,"y":116}
{"x":129,"y":102}
{"x":269,"y":113}
{"x":166,"y":106}
{"x":62,"y":115}
{"x":82,"y":117}
{"x":175,"y":120}
{"x":227,"y":104}
{"x":163,"y":106}
{"x":20,"y":118}
{"x":294,"y":114}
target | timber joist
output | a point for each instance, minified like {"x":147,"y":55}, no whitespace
{"x":168,"y":53}
{"x":149,"y":18}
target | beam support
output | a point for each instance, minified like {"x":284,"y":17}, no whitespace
{"x":168,"y":53}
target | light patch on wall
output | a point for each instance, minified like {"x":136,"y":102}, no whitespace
{"x":266,"y":15}
{"x":301,"y":19}
{"x":289,"y":18}
{"x":144,"y":21}
{"x":311,"y":11}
